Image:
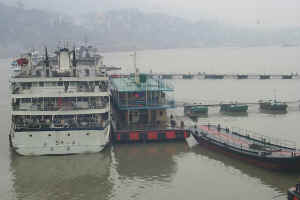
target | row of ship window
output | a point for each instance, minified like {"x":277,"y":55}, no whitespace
{"x":62,"y":83}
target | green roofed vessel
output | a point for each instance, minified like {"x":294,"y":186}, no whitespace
{"x":234,"y":107}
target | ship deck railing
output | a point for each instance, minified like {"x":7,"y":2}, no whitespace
{"x":148,"y":104}
{"x":269,"y":144}
{"x":58,"y":89}
{"x":66,"y":126}
{"x":37,"y":107}
{"x":257,"y":137}
{"x":83,"y":70}
{"x":151,"y":84}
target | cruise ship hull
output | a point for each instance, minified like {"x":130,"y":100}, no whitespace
{"x":59,"y":142}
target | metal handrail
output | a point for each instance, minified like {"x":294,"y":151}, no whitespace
{"x":256,"y":137}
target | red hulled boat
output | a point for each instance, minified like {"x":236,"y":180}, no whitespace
{"x":294,"y":192}
{"x":259,"y":150}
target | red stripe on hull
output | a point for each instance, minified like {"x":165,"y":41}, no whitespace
{"x":153,"y":135}
{"x":170,"y":135}
{"x":118,"y":137}
{"x":186,"y":134}
{"x":134,"y":136}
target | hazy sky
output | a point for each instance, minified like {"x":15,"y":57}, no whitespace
{"x":246,"y":12}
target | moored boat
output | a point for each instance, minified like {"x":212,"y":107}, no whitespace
{"x":256,"y":149}
{"x":195,"y":110}
{"x":59,"y":109}
{"x":213,"y":76}
{"x":264,"y":77}
{"x":242,"y":76}
{"x":273,"y":105}
{"x":235,"y":107}
{"x":287,"y":76}
{"x":294,"y":192}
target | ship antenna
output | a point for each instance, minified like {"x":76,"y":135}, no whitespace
{"x":134,"y":62}
{"x":46,"y":57}
{"x":134,"y":66}
{"x":275,"y":95}
{"x":74,"y":57}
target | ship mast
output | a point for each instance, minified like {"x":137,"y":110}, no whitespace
{"x":136,"y":71}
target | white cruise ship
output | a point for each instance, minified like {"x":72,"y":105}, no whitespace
{"x":61,"y":108}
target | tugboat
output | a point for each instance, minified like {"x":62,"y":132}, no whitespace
{"x":273,"y":105}
{"x":59,"y":109}
{"x":195,"y":110}
{"x":234,"y":108}
{"x":294,"y":192}
{"x":256,"y":149}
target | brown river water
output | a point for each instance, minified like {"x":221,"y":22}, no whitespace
{"x":169,"y":170}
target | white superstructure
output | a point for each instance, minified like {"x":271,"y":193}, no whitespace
{"x":61,"y":108}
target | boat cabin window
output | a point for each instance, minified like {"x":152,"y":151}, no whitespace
{"x":73,"y":83}
{"x":82,"y":99}
{"x":54,"y":84}
{"x":48,"y":84}
{"x":26,"y":100}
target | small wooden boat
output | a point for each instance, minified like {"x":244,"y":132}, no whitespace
{"x":256,"y":149}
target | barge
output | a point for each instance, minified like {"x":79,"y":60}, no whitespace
{"x":256,"y":149}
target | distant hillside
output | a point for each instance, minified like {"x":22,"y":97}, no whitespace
{"x":125,"y":30}
{"x":22,"y":28}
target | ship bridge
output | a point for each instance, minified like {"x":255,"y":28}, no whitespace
{"x":149,"y":93}
{"x":142,"y":100}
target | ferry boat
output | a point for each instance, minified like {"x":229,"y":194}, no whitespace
{"x":256,"y":149}
{"x":59,"y":109}
{"x":234,"y":107}
{"x":273,"y":105}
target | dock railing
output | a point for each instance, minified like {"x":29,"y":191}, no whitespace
{"x":264,"y":139}
{"x":226,"y":141}
{"x":254,"y":136}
